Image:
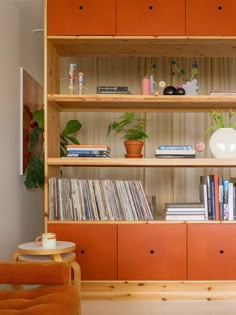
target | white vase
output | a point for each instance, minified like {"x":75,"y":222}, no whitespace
{"x":223,"y":143}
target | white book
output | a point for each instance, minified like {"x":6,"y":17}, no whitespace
{"x":175,"y":152}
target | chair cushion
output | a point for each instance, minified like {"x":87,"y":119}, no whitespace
{"x":46,"y":300}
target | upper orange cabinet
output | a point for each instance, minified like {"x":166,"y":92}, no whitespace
{"x":210,"y":17}
{"x":211,"y":251}
{"x":151,"y":17}
{"x":81,"y":17}
{"x":152,"y":252}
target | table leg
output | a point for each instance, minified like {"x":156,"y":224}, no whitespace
{"x":57,"y":257}
{"x":15,"y":256}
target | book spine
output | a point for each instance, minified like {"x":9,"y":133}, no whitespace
{"x":216,"y":195}
{"x":175,"y":147}
{"x":226,"y":199}
{"x":119,"y":88}
{"x":221,"y":193}
{"x":113,"y":92}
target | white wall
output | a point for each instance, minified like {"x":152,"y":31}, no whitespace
{"x":21,"y":211}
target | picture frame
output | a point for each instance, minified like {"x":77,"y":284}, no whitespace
{"x":31,"y":99}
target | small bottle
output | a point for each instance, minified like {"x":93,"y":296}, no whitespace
{"x":71,"y":78}
{"x":80,"y":82}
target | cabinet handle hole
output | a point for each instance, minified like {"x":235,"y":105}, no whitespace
{"x":82,"y":251}
{"x":221,"y":251}
{"x":151,"y":251}
{"x":81,"y":7}
{"x":220,"y":7}
{"x":150,"y":7}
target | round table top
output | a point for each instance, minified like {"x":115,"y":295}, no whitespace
{"x":33,"y":249}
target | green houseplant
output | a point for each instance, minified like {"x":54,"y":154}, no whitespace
{"x":34,"y":175}
{"x":133,"y":130}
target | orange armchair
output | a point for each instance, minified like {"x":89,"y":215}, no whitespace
{"x":54,"y":293}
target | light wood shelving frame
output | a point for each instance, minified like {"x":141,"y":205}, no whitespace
{"x":183,"y":46}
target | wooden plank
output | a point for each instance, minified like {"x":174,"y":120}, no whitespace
{"x":159,"y":290}
{"x":169,"y":46}
{"x":145,"y":162}
{"x":140,"y":222}
{"x":142,"y":103}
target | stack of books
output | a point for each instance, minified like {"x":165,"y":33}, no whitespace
{"x":112,"y":89}
{"x":185,"y":212}
{"x":223,"y":92}
{"x":88,"y":150}
{"x":175,"y":151}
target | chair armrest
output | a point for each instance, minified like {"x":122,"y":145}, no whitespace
{"x":34,"y":273}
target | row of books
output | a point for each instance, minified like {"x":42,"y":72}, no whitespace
{"x":185,"y":212}
{"x":175,"y":151}
{"x":100,"y":200}
{"x":218,"y":196}
{"x":87,"y":150}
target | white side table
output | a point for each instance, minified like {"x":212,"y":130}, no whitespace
{"x":62,"y":252}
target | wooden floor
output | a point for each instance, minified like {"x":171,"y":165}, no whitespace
{"x":159,"y":307}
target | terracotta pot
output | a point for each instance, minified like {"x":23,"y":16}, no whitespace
{"x":134,"y":148}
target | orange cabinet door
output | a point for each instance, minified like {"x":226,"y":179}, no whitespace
{"x":211,"y":252}
{"x":96,"y":248}
{"x":152,"y":252}
{"x":81,"y":17}
{"x":212,"y":18}
{"x":150,"y":17}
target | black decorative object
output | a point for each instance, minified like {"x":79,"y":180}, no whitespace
{"x":180,"y":91}
{"x":169,"y":90}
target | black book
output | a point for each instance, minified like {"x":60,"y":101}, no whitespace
{"x":111,"y":88}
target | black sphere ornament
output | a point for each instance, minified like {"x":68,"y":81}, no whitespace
{"x":180,"y":91}
{"x":169,"y":90}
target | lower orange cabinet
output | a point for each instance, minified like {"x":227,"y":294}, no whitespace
{"x":151,"y":252}
{"x":96,"y":248}
{"x":211,"y":251}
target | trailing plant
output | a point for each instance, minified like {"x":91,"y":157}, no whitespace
{"x":34,"y":175}
{"x":219,"y":121}
{"x":131,"y":126}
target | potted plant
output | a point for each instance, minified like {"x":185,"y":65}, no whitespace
{"x":223,"y":140}
{"x":34,"y":175}
{"x":133,"y":130}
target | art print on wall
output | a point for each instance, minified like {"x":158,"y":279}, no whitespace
{"x":31,"y":100}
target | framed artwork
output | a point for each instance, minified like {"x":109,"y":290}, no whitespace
{"x":31,"y":99}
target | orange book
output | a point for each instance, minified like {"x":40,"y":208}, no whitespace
{"x":216,"y":189}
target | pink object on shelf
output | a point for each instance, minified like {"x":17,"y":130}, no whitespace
{"x":145,"y":86}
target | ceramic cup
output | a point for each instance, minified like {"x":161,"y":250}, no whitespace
{"x":46,"y":240}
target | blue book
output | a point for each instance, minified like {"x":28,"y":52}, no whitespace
{"x":175,"y":147}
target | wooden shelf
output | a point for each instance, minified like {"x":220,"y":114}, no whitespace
{"x":183,"y":46}
{"x":141,"y":222}
{"x":141,"y":103}
{"x":145,"y":162}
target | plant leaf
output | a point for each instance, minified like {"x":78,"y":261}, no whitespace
{"x":71,"y":127}
{"x":34,"y":137}
{"x":38,"y":116}
{"x":35,"y":173}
